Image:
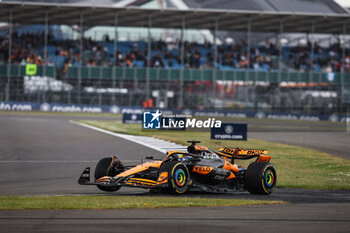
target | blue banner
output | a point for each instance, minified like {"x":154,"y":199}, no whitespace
{"x":230,"y":131}
{"x":52,"y":107}
{"x":132,"y":118}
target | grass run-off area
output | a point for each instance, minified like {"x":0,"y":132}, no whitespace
{"x":118,"y":202}
{"x":297,"y":167}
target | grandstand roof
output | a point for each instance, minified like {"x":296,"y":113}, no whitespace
{"x":313,"y":6}
{"x":230,"y":20}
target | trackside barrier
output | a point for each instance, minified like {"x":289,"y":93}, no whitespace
{"x":29,"y":69}
{"x":52,"y":107}
{"x":166,"y":74}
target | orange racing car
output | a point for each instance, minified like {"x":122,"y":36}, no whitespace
{"x":198,"y":169}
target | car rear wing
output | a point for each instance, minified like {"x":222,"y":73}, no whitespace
{"x":230,"y":154}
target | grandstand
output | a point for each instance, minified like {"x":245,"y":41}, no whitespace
{"x":257,"y":54}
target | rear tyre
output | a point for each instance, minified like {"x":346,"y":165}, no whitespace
{"x":178,"y":176}
{"x":260,"y":178}
{"x":110,"y":166}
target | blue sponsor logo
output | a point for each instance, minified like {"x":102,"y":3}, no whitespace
{"x":152,"y":120}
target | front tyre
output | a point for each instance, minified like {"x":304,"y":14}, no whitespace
{"x":178,"y":176}
{"x":260,"y":178}
{"x":109,"y":166}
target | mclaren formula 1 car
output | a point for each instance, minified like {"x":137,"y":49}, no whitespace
{"x":198,"y":169}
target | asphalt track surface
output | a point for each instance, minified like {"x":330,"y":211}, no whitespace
{"x":335,"y":143}
{"x":44,"y":155}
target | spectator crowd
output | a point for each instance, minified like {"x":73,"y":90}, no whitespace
{"x":29,"y":48}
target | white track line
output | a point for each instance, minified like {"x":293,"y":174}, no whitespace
{"x":153,"y":143}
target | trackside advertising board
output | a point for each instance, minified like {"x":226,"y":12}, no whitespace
{"x":230,"y":131}
{"x":58,"y":107}
{"x":31,"y":69}
{"x":132,"y":118}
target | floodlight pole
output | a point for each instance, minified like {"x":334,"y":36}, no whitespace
{"x":80,"y":55}
{"x":45,"y":49}
{"x":7,"y":91}
{"x":115,"y":49}
{"x":249,"y":29}
{"x":312,"y":50}
{"x":342,"y":67}
{"x":344,"y":43}
{"x":148,"y":57}
{"x":279,"y":76}
{"x":280,"y":53}
{"x":121,"y":80}
{"x":46,"y":39}
{"x":181,"y":97}
{"x":215,"y":58}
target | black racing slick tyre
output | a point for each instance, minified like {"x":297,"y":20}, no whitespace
{"x":109,"y":166}
{"x":260,"y":178}
{"x":178,"y":176}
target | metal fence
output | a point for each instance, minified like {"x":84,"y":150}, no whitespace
{"x":196,"y":88}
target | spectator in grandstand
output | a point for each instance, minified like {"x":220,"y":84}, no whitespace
{"x":157,"y":61}
{"x":119,"y":59}
{"x":347,"y":65}
{"x":67,"y":64}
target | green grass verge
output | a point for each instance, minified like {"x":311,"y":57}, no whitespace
{"x":297,"y":167}
{"x":118,"y":202}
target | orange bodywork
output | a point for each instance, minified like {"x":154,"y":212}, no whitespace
{"x":103,"y":179}
{"x":203,"y":170}
{"x":140,"y":168}
{"x":169,"y":153}
{"x":240,"y":151}
{"x":163,"y":178}
{"x":228,"y":153}
{"x":199,"y":147}
{"x":139,"y":182}
{"x":251,"y":152}
{"x":264,"y":158}
{"x":230,"y":167}
{"x":231,"y":176}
